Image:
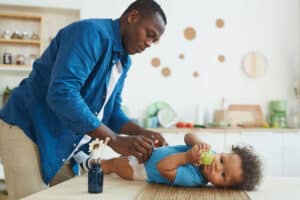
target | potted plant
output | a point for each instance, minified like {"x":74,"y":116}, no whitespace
{"x":6,"y":94}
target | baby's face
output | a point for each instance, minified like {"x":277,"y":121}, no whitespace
{"x":225,"y":170}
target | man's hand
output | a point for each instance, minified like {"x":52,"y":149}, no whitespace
{"x":139,"y":146}
{"x":156,"y":137}
{"x":131,"y":128}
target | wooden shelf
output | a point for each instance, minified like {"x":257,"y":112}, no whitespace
{"x":20,"y":41}
{"x":14,"y":67}
{"x":24,"y":17}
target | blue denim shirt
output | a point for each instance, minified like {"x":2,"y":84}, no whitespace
{"x":59,"y":101}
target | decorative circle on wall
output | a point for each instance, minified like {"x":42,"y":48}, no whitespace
{"x":255,"y":64}
{"x":166,"y":71}
{"x":155,"y":62}
{"x":221,"y":58}
{"x":220,"y":23}
{"x":181,"y":56}
{"x":195,"y":74}
{"x":189,"y":33}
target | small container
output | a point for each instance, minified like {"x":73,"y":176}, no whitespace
{"x":20,"y":60}
{"x":35,"y":36}
{"x":6,"y":34}
{"x":16,"y":35}
{"x":25,"y":36}
{"x":7,"y":58}
{"x":95,"y":179}
{"x":32,"y":58}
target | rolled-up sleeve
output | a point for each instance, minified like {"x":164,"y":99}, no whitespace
{"x":78,"y":51}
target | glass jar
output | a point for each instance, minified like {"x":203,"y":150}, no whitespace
{"x":32,"y":58}
{"x":95,"y":179}
{"x":7,"y":58}
{"x":20,"y":60}
{"x":6,"y":34}
{"x":295,"y":116}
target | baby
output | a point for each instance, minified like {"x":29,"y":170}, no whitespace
{"x":181,"y":166}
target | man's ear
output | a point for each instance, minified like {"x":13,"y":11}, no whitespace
{"x":133,"y":16}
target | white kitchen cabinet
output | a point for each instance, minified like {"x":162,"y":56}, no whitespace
{"x":174,"y":138}
{"x":267,"y":145}
{"x":216,"y":140}
{"x":291,"y":157}
{"x":1,"y":172}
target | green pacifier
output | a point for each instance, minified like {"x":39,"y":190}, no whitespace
{"x":207,"y":158}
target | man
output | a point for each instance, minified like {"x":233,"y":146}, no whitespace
{"x":73,"y":94}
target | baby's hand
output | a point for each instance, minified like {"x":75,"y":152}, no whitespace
{"x":204,"y":146}
{"x":195,"y":152}
{"x":193,"y":155}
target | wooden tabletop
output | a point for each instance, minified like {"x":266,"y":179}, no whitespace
{"x":115,"y":188}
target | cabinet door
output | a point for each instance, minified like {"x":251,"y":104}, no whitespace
{"x":216,"y":140}
{"x":291,"y":158}
{"x":1,"y":172}
{"x":174,"y":138}
{"x":267,"y":145}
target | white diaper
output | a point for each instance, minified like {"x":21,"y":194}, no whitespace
{"x":139,"y":171}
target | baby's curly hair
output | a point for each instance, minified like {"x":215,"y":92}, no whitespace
{"x":251,"y":167}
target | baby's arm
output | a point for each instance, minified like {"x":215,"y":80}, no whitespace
{"x":167,"y":167}
{"x":191,"y":140}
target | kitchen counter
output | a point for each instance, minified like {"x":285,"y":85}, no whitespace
{"x":225,"y":130}
{"x":115,"y":188}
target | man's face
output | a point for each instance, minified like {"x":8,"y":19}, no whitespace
{"x":141,"y":32}
{"x":226,"y":170}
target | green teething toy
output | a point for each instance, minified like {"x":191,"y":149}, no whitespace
{"x":206,"y":158}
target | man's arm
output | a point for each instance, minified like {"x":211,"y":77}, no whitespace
{"x":136,"y":145}
{"x":167,"y":167}
{"x":131,"y":128}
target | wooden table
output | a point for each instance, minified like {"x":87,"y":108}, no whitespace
{"x":115,"y":188}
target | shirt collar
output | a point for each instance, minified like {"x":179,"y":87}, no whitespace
{"x":118,"y":47}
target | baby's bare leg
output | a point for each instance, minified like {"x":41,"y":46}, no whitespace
{"x":119,"y":166}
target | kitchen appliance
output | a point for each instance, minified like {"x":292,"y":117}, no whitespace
{"x":278,"y":118}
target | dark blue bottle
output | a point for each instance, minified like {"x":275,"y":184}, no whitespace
{"x":95,"y":179}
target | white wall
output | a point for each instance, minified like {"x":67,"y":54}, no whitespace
{"x":269,"y":26}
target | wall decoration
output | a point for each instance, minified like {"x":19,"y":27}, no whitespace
{"x":166,"y":71}
{"x":221,"y":58}
{"x":155,"y":62}
{"x":254,"y":64}
{"x":195,"y":74}
{"x":181,"y":56}
{"x":189,"y":33}
{"x":220,"y":23}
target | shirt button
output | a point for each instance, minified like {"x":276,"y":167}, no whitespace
{"x":63,"y":160}
{"x":114,"y":62}
{"x":74,"y":145}
{"x":96,"y":113}
{"x":104,"y":96}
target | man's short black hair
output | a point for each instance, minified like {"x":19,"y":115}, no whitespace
{"x":146,"y":7}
